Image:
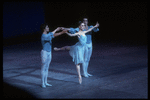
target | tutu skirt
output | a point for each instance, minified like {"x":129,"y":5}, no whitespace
{"x":77,"y":53}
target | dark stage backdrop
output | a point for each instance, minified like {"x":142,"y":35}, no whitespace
{"x":22,"y":18}
{"x":119,"y":21}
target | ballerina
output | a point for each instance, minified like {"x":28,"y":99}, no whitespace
{"x":88,"y":51}
{"x":77,"y":51}
{"x":46,"y":51}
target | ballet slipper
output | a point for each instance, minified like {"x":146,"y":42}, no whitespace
{"x":89,"y":74}
{"x":48,"y":84}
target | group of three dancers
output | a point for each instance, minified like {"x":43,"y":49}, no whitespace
{"x":80,"y":52}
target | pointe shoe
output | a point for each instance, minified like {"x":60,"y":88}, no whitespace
{"x":80,"y":79}
{"x":56,"y":49}
{"x":48,"y":84}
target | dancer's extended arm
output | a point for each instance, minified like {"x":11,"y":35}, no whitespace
{"x":72,"y":30}
{"x":67,"y":28}
{"x":91,"y":28}
{"x":60,"y":33}
{"x":57,"y":29}
{"x":76,"y":34}
{"x":96,"y":29}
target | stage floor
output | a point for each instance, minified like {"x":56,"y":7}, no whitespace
{"x":119,"y":71}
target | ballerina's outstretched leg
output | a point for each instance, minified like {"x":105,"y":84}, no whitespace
{"x":62,"y":48}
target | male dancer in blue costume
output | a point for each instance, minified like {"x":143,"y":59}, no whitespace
{"x":88,"y":51}
{"x":46,"y":40}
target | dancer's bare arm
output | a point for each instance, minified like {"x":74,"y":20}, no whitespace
{"x":97,"y":24}
{"x":60,"y":33}
{"x":76,"y":34}
{"x":67,"y":28}
{"x":57,"y":29}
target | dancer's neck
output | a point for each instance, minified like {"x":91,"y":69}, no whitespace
{"x":81,"y":32}
{"x":44,"y":32}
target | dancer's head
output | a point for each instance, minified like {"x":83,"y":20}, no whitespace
{"x":44,"y":27}
{"x":81,"y":25}
{"x":85,"y":21}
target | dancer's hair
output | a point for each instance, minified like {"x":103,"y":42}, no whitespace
{"x":86,"y":18}
{"x":80,"y":23}
{"x":43,"y":26}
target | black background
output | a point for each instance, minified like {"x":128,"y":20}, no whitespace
{"x":119,"y":21}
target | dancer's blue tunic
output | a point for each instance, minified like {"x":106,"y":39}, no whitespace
{"x":46,"y":40}
{"x":77,"y":50}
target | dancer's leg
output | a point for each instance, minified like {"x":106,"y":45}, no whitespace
{"x":43,"y":73}
{"x":62,"y":48}
{"x":48,"y":63}
{"x":78,"y":70}
{"x":84,"y":64}
{"x":88,"y":59}
{"x":87,"y":64}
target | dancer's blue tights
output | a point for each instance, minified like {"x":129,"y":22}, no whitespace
{"x":46,"y":59}
{"x":85,"y":64}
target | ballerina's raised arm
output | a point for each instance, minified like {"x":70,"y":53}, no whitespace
{"x":76,"y":34}
{"x":97,"y":24}
{"x":81,"y":29}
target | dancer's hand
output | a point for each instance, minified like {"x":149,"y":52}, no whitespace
{"x":97,"y":24}
{"x":65,"y":31}
{"x":62,"y":28}
{"x":58,"y":28}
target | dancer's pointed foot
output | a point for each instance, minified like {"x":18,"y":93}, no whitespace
{"x":80,"y":79}
{"x":48,"y":84}
{"x":43,"y":86}
{"x":90,"y":74}
{"x":56,"y":49}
